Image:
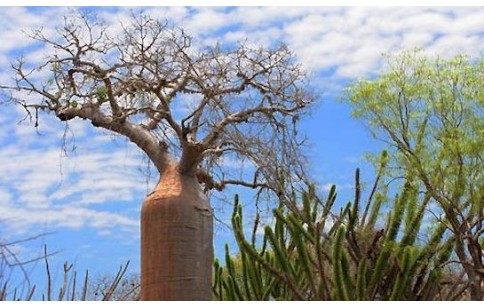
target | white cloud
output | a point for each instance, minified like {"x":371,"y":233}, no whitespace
{"x":206,"y":20}
{"x":16,"y":22}
{"x":20,"y":219}
{"x":351,"y":40}
{"x":5,"y":196}
{"x":41,"y":187}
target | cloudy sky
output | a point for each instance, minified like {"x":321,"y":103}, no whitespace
{"x":86,"y":186}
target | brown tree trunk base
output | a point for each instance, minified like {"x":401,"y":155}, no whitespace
{"x":176,"y":241}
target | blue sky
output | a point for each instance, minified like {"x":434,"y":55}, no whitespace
{"x":89,"y":196}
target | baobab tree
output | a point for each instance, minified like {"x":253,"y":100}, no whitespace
{"x":242,"y":102}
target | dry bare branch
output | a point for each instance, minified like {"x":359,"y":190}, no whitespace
{"x":191,"y":106}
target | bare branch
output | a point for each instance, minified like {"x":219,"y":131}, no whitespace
{"x":150,"y":84}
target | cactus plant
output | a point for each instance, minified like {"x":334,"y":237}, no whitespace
{"x":310,"y":253}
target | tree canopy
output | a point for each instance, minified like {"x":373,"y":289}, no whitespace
{"x":430,"y":113}
{"x":176,"y":100}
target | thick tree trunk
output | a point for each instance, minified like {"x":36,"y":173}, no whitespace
{"x":176,"y":240}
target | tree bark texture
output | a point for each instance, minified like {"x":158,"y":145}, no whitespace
{"x":176,"y":240}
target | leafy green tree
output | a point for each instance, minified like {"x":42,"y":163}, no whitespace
{"x":430,"y":114}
